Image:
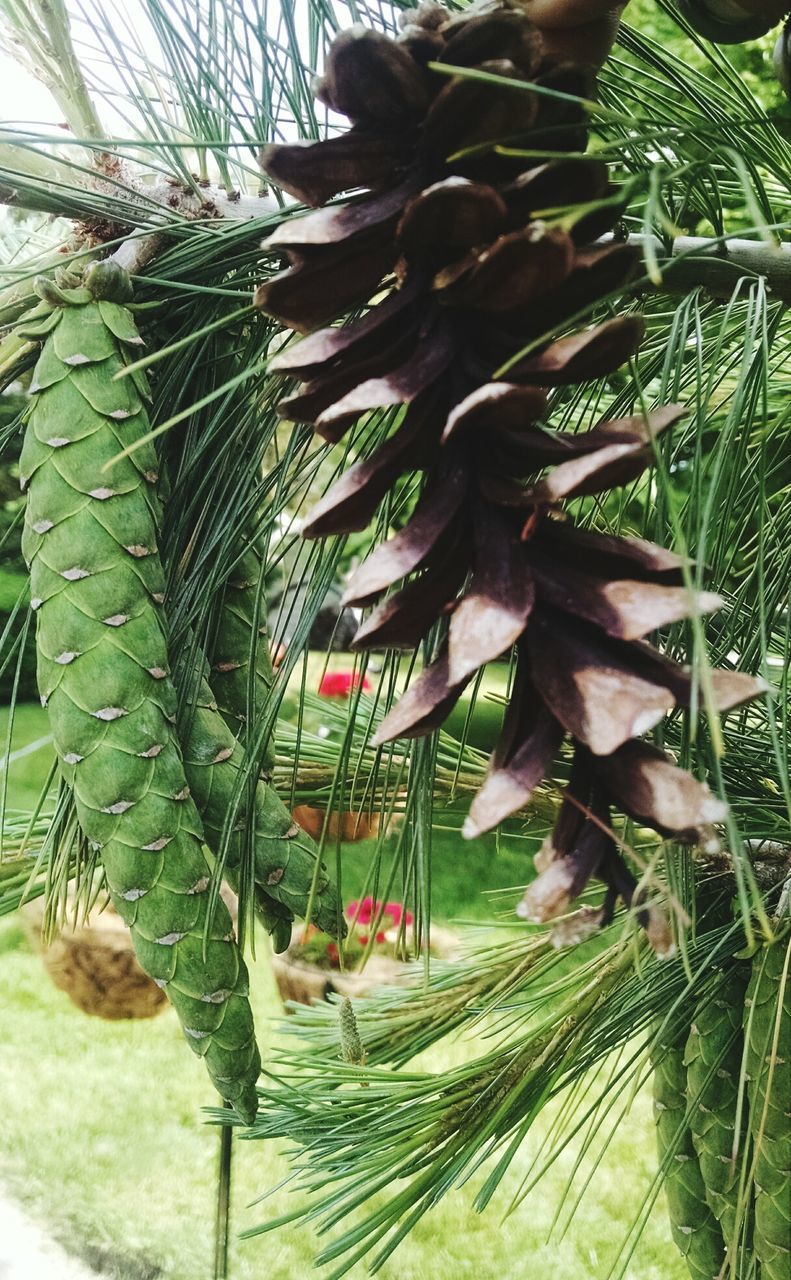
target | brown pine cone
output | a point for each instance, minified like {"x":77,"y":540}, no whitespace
{"x":733,"y":21}
{"x":457,"y":263}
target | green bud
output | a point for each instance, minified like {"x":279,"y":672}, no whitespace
{"x":352,"y":1049}
{"x":106,"y":281}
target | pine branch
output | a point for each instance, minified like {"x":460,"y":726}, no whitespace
{"x":137,"y":251}
{"x":716,"y":265}
{"x":712,"y":264}
{"x":39,"y":35}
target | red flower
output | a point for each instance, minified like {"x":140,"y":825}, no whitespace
{"x":362,"y":912}
{"x":397,"y":913}
{"x":332,"y":953}
{"x":366,"y":911}
{"x":339,"y":684}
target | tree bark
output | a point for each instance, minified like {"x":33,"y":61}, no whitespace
{"x":717,"y":265}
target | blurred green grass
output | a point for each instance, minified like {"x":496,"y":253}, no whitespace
{"x":13,"y":588}
{"x":102,"y":1137}
{"x":26,"y":755}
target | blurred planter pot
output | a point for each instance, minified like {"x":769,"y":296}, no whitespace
{"x":351,"y":827}
{"x":732,"y":21}
{"x":305,"y":983}
{"x":95,"y":964}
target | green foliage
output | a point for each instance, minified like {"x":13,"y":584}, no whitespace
{"x":752,"y":61}
{"x":17,"y":669}
{"x":18,"y":674}
{"x":288,"y":876}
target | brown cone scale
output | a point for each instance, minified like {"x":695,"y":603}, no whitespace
{"x":465,"y":269}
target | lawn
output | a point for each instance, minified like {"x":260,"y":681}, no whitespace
{"x":103,"y":1136}
{"x":26,"y":756}
{"x":102,"y":1139}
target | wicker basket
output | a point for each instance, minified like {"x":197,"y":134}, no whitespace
{"x":96,"y":966}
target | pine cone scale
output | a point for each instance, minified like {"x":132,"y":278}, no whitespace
{"x":373,"y":80}
{"x":556,"y":887}
{"x":323,"y":349}
{"x":556,"y":185}
{"x":657,"y":791}
{"x":310,"y":292}
{"x":433,"y":355}
{"x":594,"y":693}
{"x":497,"y":603}
{"x":608,"y":556}
{"x":450,"y":215}
{"x":496,"y":407}
{"x":467,"y":114}
{"x":623,"y":608}
{"x":583,"y":357}
{"x":342,"y":225}
{"x":435,"y":522}
{"x":424,"y":706}
{"x":511,"y":782}
{"x":314,"y":172}
{"x":403,"y":619}
{"x":317,"y":398}
{"x":515,"y":271}
{"x":352,"y":501}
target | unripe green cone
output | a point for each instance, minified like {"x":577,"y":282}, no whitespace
{"x":241,"y":679}
{"x":692,"y":1223}
{"x":97,"y":587}
{"x":284,"y":856}
{"x":713,"y":1059}
{"x":767,"y":1025}
{"x":241,"y":673}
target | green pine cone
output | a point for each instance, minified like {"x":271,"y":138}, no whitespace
{"x":284,"y":855}
{"x":767,"y":1025}
{"x":90,"y":540}
{"x":713,"y":1059}
{"x":241,"y":680}
{"x":241,"y":673}
{"x":694,"y":1227}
